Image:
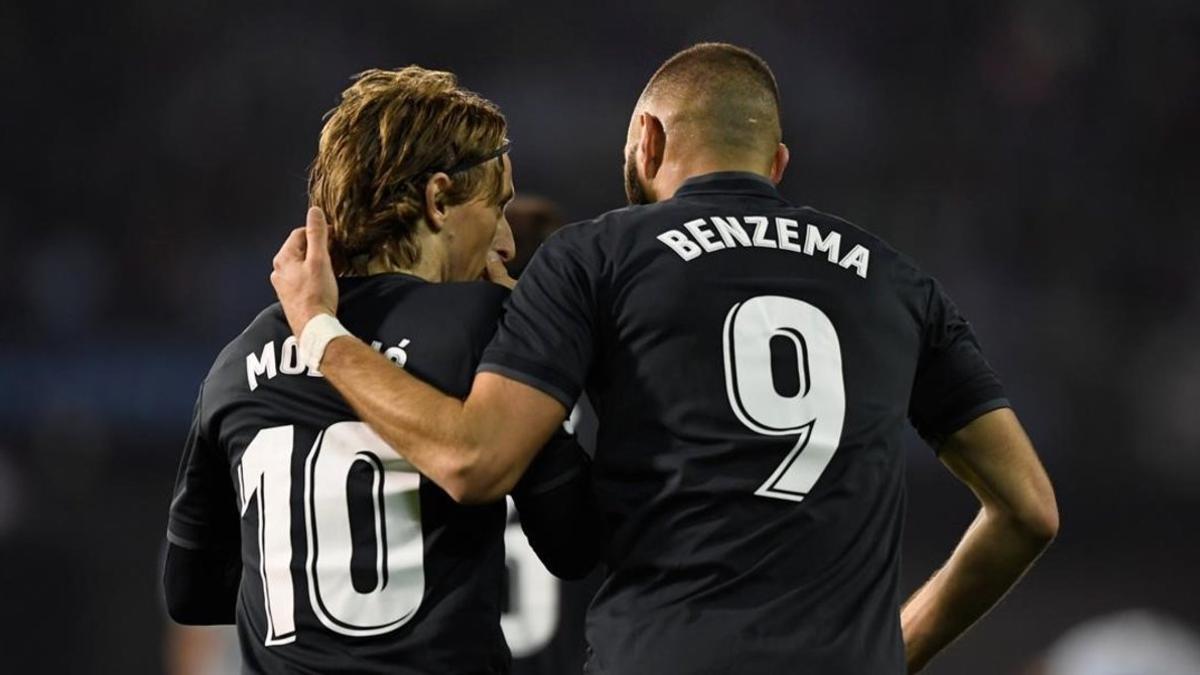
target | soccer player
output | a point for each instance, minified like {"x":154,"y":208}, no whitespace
{"x":334,"y":553}
{"x":753,"y":365}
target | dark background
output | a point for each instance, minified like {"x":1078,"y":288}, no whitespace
{"x":1039,"y":157}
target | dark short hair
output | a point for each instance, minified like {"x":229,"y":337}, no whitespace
{"x":727,"y":89}
{"x":706,"y":61}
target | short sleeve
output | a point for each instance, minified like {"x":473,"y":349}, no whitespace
{"x":954,"y":383}
{"x":546,"y":338}
{"x":204,"y":507}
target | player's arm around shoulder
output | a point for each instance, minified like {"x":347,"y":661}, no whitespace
{"x":474,"y":449}
{"x":1017,"y":520}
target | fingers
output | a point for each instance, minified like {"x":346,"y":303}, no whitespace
{"x":292,"y":249}
{"x":497,"y":273}
{"x":316,"y":233}
{"x":303,"y":276}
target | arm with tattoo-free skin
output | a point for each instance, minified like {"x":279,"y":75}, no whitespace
{"x":474,"y":449}
{"x":1018,"y":518}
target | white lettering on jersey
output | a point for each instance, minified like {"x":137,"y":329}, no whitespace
{"x":289,"y":362}
{"x":730,"y":229}
{"x":858,"y":257}
{"x":789,"y":236}
{"x":260,"y":365}
{"x":706,"y":238}
{"x":697,"y":237}
{"x":831,"y":245}
{"x":678,"y":241}
{"x":267,"y":363}
{"x":760,"y":231}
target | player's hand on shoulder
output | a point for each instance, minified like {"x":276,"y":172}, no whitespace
{"x":303,"y":273}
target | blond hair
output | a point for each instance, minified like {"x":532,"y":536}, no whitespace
{"x":392,"y":131}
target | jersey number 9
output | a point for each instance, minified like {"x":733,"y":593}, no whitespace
{"x":809,"y":403}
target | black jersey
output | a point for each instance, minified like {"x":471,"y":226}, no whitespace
{"x":351,"y":560}
{"x":753,"y":366}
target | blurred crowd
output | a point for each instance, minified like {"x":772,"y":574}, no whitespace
{"x":1040,"y":157}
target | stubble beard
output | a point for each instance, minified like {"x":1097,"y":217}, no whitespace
{"x":634,"y":191}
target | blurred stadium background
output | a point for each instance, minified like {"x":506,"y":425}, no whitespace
{"x":1039,"y":156}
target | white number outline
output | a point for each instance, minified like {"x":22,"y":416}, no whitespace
{"x":270,"y":452}
{"x":400,"y":476}
{"x":822,"y":387}
{"x":274,"y":552}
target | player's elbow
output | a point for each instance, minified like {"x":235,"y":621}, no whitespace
{"x":1038,"y":520}
{"x":470,"y":491}
{"x":1041,"y":524}
{"x":471,"y":480}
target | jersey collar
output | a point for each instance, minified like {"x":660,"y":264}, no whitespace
{"x":729,"y":183}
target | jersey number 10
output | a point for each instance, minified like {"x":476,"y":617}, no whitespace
{"x":265,"y":479}
{"x":812,"y":406}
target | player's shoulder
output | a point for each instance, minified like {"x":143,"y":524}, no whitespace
{"x":901,"y":269}
{"x":263,"y":345}
{"x":369,"y":303}
{"x":467,"y":302}
{"x":598,"y":239}
{"x":398,"y":286}
{"x":462,"y":316}
{"x":474,"y":305}
{"x":845,"y":226}
{"x":268,"y":326}
{"x":582,"y":233}
{"x":475,"y":294}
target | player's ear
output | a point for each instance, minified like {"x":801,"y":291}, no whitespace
{"x":435,"y":200}
{"x":779,"y":163}
{"x":652,"y":146}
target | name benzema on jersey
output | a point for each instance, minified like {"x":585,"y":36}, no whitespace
{"x":285,"y":360}
{"x":697,"y":237}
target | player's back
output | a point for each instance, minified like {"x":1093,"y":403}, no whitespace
{"x":756,"y":366}
{"x":353,"y":562}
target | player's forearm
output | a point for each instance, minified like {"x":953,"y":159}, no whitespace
{"x":436,"y":433}
{"x":993,"y":554}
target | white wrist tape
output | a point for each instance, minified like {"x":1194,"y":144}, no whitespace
{"x":316,"y":336}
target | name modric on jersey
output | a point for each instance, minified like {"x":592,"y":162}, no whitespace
{"x":697,"y":237}
{"x":270,"y":361}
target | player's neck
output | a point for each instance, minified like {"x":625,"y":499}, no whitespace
{"x":674,"y":173}
{"x":430,"y":266}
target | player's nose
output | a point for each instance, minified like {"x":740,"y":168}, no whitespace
{"x":502,"y":242}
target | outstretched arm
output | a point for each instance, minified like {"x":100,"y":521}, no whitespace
{"x":474,"y":449}
{"x":1017,"y":520}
